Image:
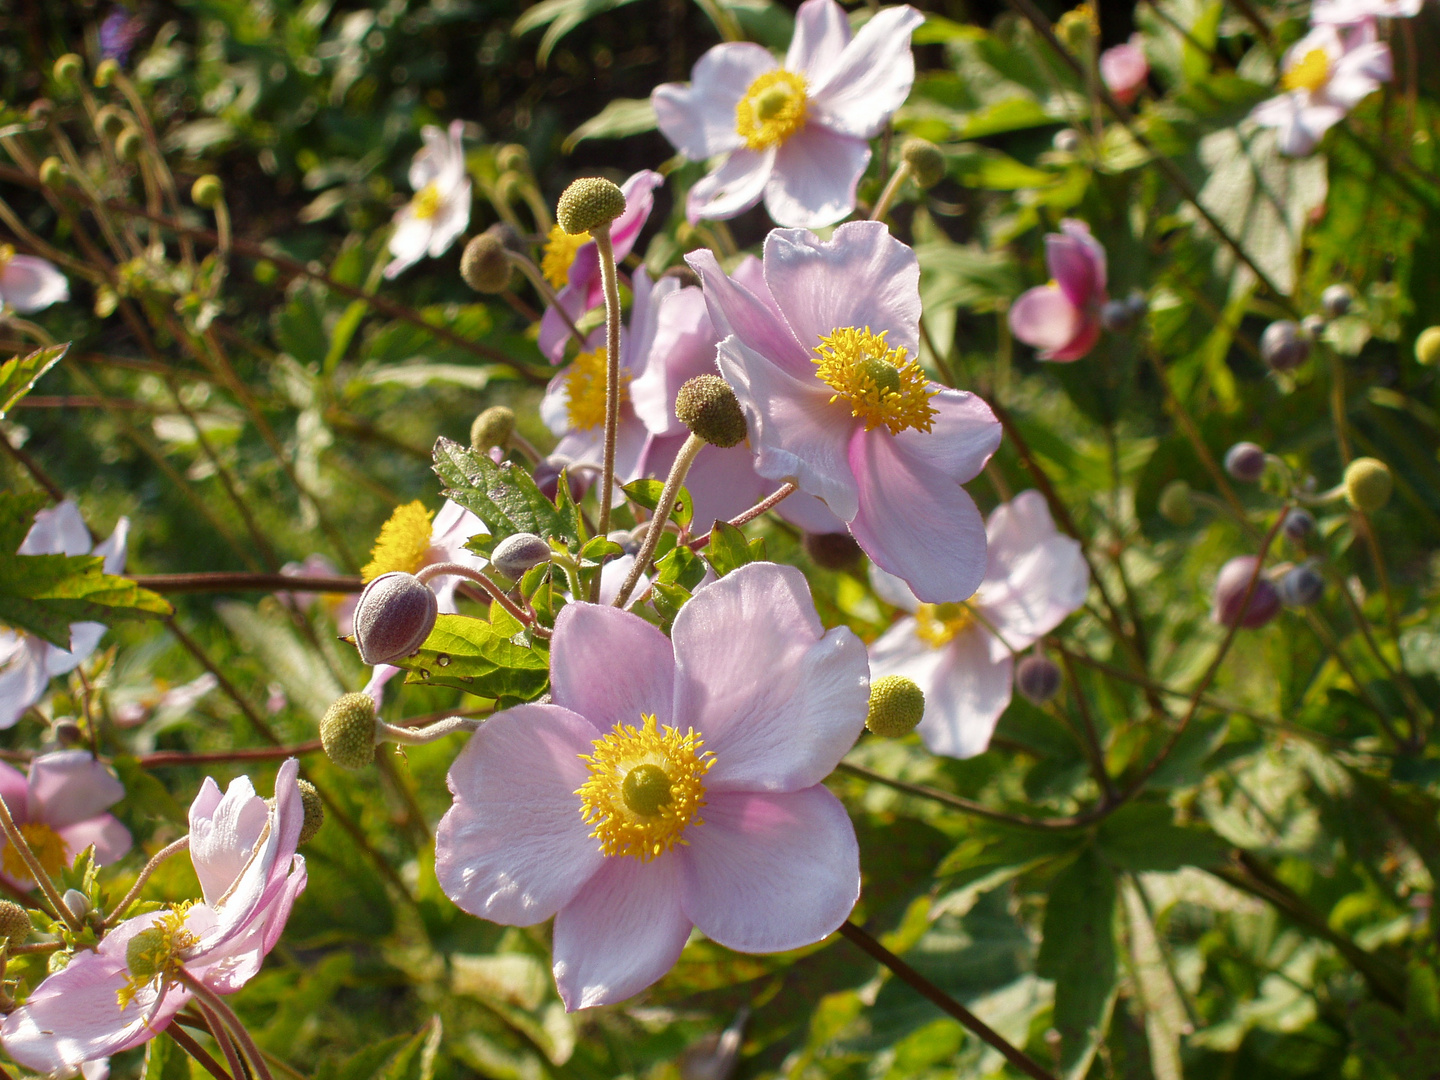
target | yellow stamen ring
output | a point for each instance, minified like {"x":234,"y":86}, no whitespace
{"x":940,"y":624}
{"x":772,"y":110}
{"x":881,"y":385}
{"x":585,"y":390}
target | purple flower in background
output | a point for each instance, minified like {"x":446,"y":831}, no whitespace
{"x":1062,"y":319}
{"x":60,"y":807}
{"x":797,"y":134}
{"x":119,"y":33}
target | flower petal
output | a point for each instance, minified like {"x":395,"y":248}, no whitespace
{"x":871,"y":78}
{"x":1359,"y":74}
{"x":963,"y":435}
{"x":808,"y":513}
{"x":57,"y":531}
{"x":554,"y":330}
{"x":699,"y":119}
{"x":821,"y":33}
{"x":623,"y":931}
{"x":113,"y":549}
{"x":892,"y":590}
{"x":451,"y":221}
{"x":111,"y":839}
{"x":722,"y":481}
{"x":750,"y":314}
{"x":1045,"y":585}
{"x":914,"y":521}
{"x":223,"y":836}
{"x":815,"y":175}
{"x":966,"y":697}
{"x":29,"y":284}
{"x":732,"y":188}
{"x":769,"y":871}
{"x":611,"y":667}
{"x":1077,"y":263}
{"x":681,"y":347}
{"x":70,"y":786}
{"x":1045,"y":318}
{"x":23,"y":681}
{"x":513,"y":848}
{"x":899,"y":651}
{"x":639,"y":191}
{"x":777,"y":700}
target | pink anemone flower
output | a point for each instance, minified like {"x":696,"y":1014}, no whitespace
{"x":1124,"y":69}
{"x":822,"y":364}
{"x":1062,"y":319}
{"x":1356,"y":12}
{"x":243,"y":851}
{"x":60,"y":808}
{"x":798,"y":135}
{"x":961,"y":655}
{"x":28,"y":663}
{"x":671,"y":784}
{"x":572,"y":263}
{"x":29,"y":284}
{"x":440,"y":211}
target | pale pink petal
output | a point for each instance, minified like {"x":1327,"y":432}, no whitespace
{"x":234,"y":962}
{"x":639,"y":191}
{"x":1077,"y":263}
{"x":1347,"y":12}
{"x":554,"y":330}
{"x":429,"y":161}
{"x":59,"y":530}
{"x":968,"y":694}
{"x":513,"y":848}
{"x":1014,"y":528}
{"x":681,"y":347}
{"x":914,"y":521}
{"x":899,"y":651}
{"x":737,"y":306}
{"x":84,"y":637}
{"x":732,"y":188}
{"x":722,"y":482}
{"x":622,"y":932}
{"x":871,"y":78}
{"x":15,"y":791}
{"x":1124,"y":70}
{"x":862,"y":276}
{"x":380,"y":674}
{"x":821,"y":33}
{"x":113,"y":549}
{"x":1083,"y":341}
{"x":70,"y":786}
{"x":777,"y":700}
{"x":223,"y":836}
{"x":23,"y":681}
{"x":794,"y":429}
{"x":111,"y":839}
{"x":408,"y":243}
{"x":963,"y":435}
{"x":28,"y":284}
{"x":1045,"y":318}
{"x":770,"y":871}
{"x":1359,"y":73}
{"x":1043,"y":587}
{"x":699,"y":119}
{"x":612,"y":578}
{"x":586,"y":678}
{"x":451,"y":221}
{"x":807,"y":512}
{"x":892,"y":590}
{"x":816,"y":172}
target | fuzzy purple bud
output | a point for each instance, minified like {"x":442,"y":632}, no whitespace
{"x":1284,"y":346}
{"x":393,"y":617}
{"x":1038,"y":679}
{"x":1245,"y":461}
{"x":1299,"y":525}
{"x":1301,"y":586}
{"x":1229,"y":607}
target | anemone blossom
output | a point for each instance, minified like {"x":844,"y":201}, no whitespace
{"x":59,"y":804}
{"x":29,"y":284}
{"x":1062,"y":319}
{"x":440,"y":211}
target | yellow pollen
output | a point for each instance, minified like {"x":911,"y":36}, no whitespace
{"x":45,"y":842}
{"x":646,"y":787}
{"x":879,"y":383}
{"x":585,"y":390}
{"x":165,"y":940}
{"x":772,"y":109}
{"x":402,"y":543}
{"x":1311,"y":72}
{"x":427,"y":202}
{"x":560,"y":251}
{"x":7,"y":252}
{"x":940,"y":624}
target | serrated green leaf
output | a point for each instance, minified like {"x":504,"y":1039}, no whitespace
{"x":680,"y":567}
{"x":727,"y":549}
{"x":44,"y":594}
{"x":668,"y":600}
{"x":479,"y":658}
{"x":17,"y":514}
{"x":504,"y":496}
{"x":1078,"y":952}
{"x":18,"y":375}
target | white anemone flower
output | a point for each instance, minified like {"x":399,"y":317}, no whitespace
{"x":440,"y":211}
{"x":1035,"y":577}
{"x":1355,"y":12}
{"x":1323,"y":76}
{"x":28,"y":284}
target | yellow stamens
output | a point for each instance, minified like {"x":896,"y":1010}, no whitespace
{"x":940,"y":624}
{"x":585,"y":390}
{"x":646,"y":787}
{"x":45,"y":842}
{"x":7,"y":252}
{"x":880,"y":384}
{"x":1311,"y":72}
{"x":426,"y":203}
{"x":772,"y":109}
{"x":402,"y":543}
{"x":155,"y":953}
{"x":560,"y":251}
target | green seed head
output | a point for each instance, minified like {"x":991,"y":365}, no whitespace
{"x":145,"y":953}
{"x":129,"y":144}
{"x":646,"y":790}
{"x":885,"y":375}
{"x":1368,"y":484}
{"x":493,"y":427}
{"x":52,"y":172}
{"x":485,"y":266}
{"x":927,"y":164}
{"x":314,"y":810}
{"x":1427,"y":346}
{"x":708,"y":407}
{"x":588,"y":203}
{"x":1176,"y":505}
{"x":206,"y":192}
{"x":896,"y":706}
{"x":15,"y":924}
{"x":347,"y":731}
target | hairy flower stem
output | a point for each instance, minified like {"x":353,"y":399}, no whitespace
{"x":469,"y":573}
{"x":892,"y":189}
{"x":27,"y":855}
{"x":173,"y":848}
{"x":223,"y":1040}
{"x":196,"y":1051}
{"x":211,"y":1002}
{"x":683,"y":460}
{"x":419,"y":736}
{"x":941,"y":1000}
{"x":601,"y":235}
{"x":532,"y":273}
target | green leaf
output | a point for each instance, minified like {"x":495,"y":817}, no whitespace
{"x":479,"y":658}
{"x":17,"y":376}
{"x":164,"y":1060}
{"x":504,"y":496}
{"x":1141,"y":836}
{"x":668,"y":600}
{"x":647,"y":493}
{"x":680,"y":567}
{"x":17,"y":514}
{"x":621,"y":117}
{"x":44,"y":594}
{"x":727,"y":549}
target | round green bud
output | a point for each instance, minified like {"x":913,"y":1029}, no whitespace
{"x":1368,"y":484}
{"x":485,"y":265}
{"x":832,"y":551}
{"x":314,"y":810}
{"x":109,"y":121}
{"x":493,"y":427}
{"x":265,"y":272}
{"x":646,"y":789}
{"x":76,"y":902}
{"x":927,"y":163}
{"x":347,"y":731}
{"x":207,"y":192}
{"x":15,"y":923}
{"x":896,"y":706}
{"x":68,"y":69}
{"x":588,"y":203}
{"x":52,"y":172}
{"x":708,"y":407}
{"x":1427,"y":346}
{"x":145,"y":953}
{"x":512,"y":156}
{"x":1176,"y":505}
{"x":129,"y":144}
{"x":105,"y":72}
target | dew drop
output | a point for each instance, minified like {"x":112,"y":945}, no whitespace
{"x":443,"y":660}
{"x":424,"y":673}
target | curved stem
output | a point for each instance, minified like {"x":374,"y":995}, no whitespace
{"x":173,"y":848}
{"x":469,"y":573}
{"x":532,"y":273}
{"x":210,"y":1001}
{"x":37,"y":872}
{"x":784,"y":491}
{"x":608,"y":278}
{"x":683,"y":460}
{"x":882,"y":204}
{"x":419,"y":736}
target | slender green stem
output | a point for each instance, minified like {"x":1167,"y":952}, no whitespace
{"x":892,"y":189}
{"x":469,"y":573}
{"x":37,"y":872}
{"x":173,"y":848}
{"x":196,"y":1051}
{"x":683,"y":460}
{"x":208,"y":999}
{"x":612,"y":379}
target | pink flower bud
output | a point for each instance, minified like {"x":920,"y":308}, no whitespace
{"x":395,"y":614}
{"x":1229,"y":607}
{"x":1124,"y":70}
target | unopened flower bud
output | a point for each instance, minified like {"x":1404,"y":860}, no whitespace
{"x":1245,"y":461}
{"x":67,"y":732}
{"x":512,"y":156}
{"x":1284,"y":346}
{"x":1368,"y":484}
{"x":347,"y":731}
{"x":896,"y":706}
{"x":145,"y":953}
{"x":1117,"y":317}
{"x":708,"y":407}
{"x":516,"y":554}
{"x":207,"y":191}
{"x":927,"y":163}
{"x":1300,"y":586}
{"x":393,"y":617}
{"x":1176,"y":506}
{"x":1336,"y":300}
{"x":1427,"y":346}
{"x":485,"y":265}
{"x":1038,"y":679}
{"x":76,"y":902}
{"x":493,"y":427}
{"x":1066,"y":140}
{"x":1229,"y":607}
{"x":588,"y":203}
{"x":314,"y":809}
{"x":682,"y":273}
{"x":1299,"y":524}
{"x":508,"y":237}
{"x":52,"y":172}
{"x":68,"y":69}
{"x":15,"y":924}
{"x":129,"y":144}
{"x":105,"y":72}
{"x":109,"y":121}
{"x":832,"y":551}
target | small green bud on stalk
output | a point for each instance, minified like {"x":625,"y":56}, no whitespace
{"x":485,"y":265}
{"x":493,"y":427}
{"x":52,"y":172}
{"x":207,"y":192}
{"x":129,"y":144}
{"x":896,"y":706}
{"x":15,"y":925}
{"x":393,"y":617}
{"x":516,"y":554}
{"x":1368,"y":484}
{"x":708,"y":407}
{"x":1176,"y":505}
{"x":1427,"y":346}
{"x":314,"y":810}
{"x":68,"y":69}
{"x":927,"y":163}
{"x":76,"y":902}
{"x":589,"y":203}
{"x":106,"y":72}
{"x":347,"y":731}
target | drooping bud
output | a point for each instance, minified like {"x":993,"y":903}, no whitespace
{"x":109,"y":121}
{"x":66,"y":731}
{"x":52,"y":172}
{"x":207,"y":191}
{"x":15,"y":924}
{"x":485,"y":265}
{"x":1301,"y":586}
{"x":516,"y":554}
{"x":314,"y":809}
{"x":1245,"y":461}
{"x":1117,"y":317}
{"x":588,"y":203}
{"x":76,"y":902}
{"x":493,"y":427}
{"x":896,"y":706}
{"x":1368,"y":484}
{"x":512,"y":156}
{"x":708,"y":407}
{"x":105,"y":72}
{"x":393,"y":617}
{"x":682,"y":273}
{"x":1176,"y":506}
{"x":927,"y":163}
{"x":1284,"y":346}
{"x":145,"y":953}
{"x":129,"y":144}
{"x":68,"y":69}
{"x":1336,"y":300}
{"x":832,"y":551}
{"x":1427,"y":346}
{"x":1299,"y":524}
{"x":1229,"y":607}
{"x":1038,"y":679}
{"x":347,"y":731}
